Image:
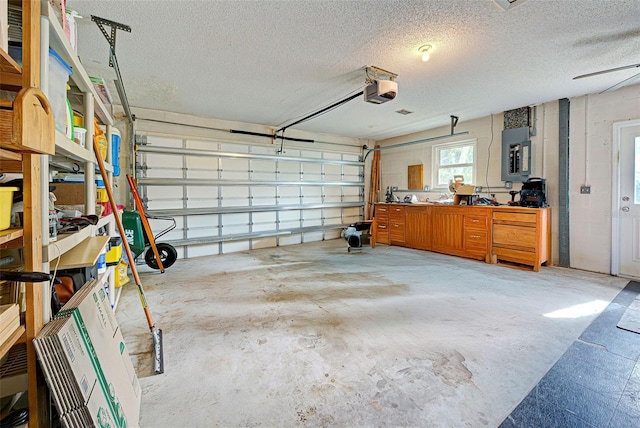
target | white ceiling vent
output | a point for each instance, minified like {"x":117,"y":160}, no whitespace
{"x":508,"y":4}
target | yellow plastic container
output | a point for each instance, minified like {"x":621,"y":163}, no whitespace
{"x":120,"y":274}
{"x":78,"y":119}
{"x":6,"y":201}
{"x":102,"y":195}
{"x":115,"y":252}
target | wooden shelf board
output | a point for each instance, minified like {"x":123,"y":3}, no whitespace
{"x":8,"y":64}
{"x":8,"y":155}
{"x":84,"y":254}
{"x":10,"y":234}
{"x":12,"y":340}
{"x":67,"y":242}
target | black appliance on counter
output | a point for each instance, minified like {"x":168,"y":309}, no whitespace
{"x":534,"y":193}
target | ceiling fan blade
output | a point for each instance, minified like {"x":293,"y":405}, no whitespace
{"x":625,"y":82}
{"x":607,"y":71}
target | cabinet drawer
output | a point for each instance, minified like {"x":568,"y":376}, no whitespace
{"x":396,"y":232}
{"x":396,"y":214}
{"x":383,"y":236}
{"x":475,"y":240}
{"x":511,"y":254}
{"x":514,"y":236}
{"x":382,"y":227}
{"x":382,"y":214}
{"x":475,"y":221}
{"x":512,"y":216}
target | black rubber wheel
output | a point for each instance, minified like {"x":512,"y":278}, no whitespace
{"x":168,"y":255}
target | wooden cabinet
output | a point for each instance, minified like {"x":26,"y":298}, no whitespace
{"x":515,"y":234}
{"x":396,"y":224}
{"x":417,"y":227}
{"x":382,"y":224}
{"x":447,"y":230}
{"x":521,"y":235}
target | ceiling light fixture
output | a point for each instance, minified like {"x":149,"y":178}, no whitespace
{"x":424,"y":51}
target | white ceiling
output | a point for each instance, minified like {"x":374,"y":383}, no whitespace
{"x":269,"y":62}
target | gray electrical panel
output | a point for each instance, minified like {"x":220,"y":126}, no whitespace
{"x":516,"y":154}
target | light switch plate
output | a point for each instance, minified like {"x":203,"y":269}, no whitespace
{"x":585,"y":190}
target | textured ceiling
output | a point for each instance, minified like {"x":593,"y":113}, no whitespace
{"x":269,"y":62}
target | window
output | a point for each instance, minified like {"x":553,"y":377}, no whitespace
{"x":454,"y":159}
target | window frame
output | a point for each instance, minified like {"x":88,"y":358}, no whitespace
{"x":436,"y":148}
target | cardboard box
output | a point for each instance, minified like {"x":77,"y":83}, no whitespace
{"x":69,"y":193}
{"x":85,"y":360}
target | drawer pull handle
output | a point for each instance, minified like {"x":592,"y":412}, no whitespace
{"x":475,"y":236}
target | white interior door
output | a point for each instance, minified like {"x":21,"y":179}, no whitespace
{"x":629,"y":200}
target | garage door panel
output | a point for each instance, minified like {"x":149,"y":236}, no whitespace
{"x":264,"y":217}
{"x":157,"y":141}
{"x":292,"y":239}
{"x":235,"y":246}
{"x":200,"y":144}
{"x":208,"y":192}
{"x":201,"y":162}
{"x":234,"y":148}
{"x":201,"y":232}
{"x":269,"y":242}
{"x":289,"y":215}
{"x":203,"y":250}
{"x":233,"y":196}
{"x":207,"y":220}
{"x":312,"y":172}
{"x":160,"y":161}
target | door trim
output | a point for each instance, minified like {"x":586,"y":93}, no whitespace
{"x":615,"y":193}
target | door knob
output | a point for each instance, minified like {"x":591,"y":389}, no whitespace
{"x":625,"y":209}
{"x":625,"y":198}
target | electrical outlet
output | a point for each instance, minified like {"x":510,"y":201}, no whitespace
{"x":478,"y":189}
{"x":585,"y":190}
{"x":394,"y":188}
{"x":427,"y":188}
{"x":508,"y":185}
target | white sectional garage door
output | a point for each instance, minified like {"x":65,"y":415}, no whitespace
{"x":228,"y":197}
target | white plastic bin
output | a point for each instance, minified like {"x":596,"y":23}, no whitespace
{"x":59,"y":72}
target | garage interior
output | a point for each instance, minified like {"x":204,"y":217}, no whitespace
{"x":252,"y":127}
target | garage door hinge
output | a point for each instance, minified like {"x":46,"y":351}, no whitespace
{"x":141,"y":140}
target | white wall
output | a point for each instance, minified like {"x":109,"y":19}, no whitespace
{"x":590,"y":163}
{"x":591,"y":133}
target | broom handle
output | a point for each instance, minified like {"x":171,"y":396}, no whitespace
{"x":116,"y":215}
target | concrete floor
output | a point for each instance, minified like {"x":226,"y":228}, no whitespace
{"x":309,"y":335}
